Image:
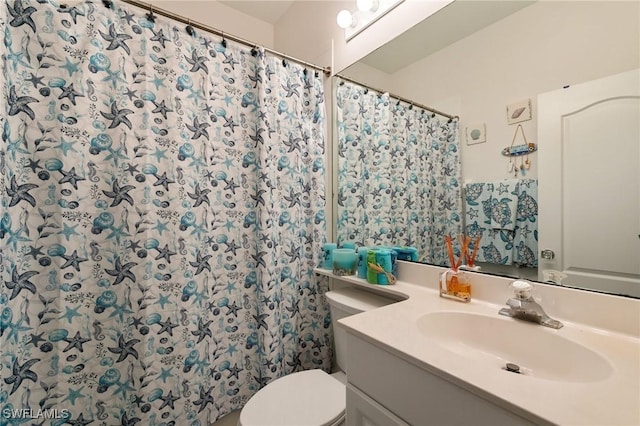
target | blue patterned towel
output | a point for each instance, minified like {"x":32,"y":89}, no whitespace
{"x":504,"y":204}
{"x":526,"y":232}
{"x":496,"y":245}
{"x":504,"y":246}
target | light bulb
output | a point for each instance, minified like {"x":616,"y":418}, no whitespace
{"x":345,"y":19}
{"x":367,"y":5}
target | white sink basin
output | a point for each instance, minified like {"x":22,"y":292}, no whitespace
{"x":539,"y":351}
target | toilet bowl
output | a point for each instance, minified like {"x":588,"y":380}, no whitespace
{"x":312,"y":397}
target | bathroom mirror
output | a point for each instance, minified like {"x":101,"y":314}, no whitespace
{"x":476,"y":59}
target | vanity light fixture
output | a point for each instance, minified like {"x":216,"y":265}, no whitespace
{"x":345,"y":19}
{"x":367,"y":12}
{"x":367,"y":5}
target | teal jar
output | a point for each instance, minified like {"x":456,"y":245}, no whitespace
{"x":327,"y":255}
{"x":344,"y":262}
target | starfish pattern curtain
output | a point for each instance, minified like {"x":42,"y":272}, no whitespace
{"x":398,"y":174}
{"x":162,"y":209}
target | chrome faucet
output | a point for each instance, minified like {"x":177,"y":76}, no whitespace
{"x":524,"y":307}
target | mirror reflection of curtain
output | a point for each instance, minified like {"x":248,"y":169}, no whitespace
{"x":162,"y":209}
{"x":398,"y":174}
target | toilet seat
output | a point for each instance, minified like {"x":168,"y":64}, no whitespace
{"x":305,"y":398}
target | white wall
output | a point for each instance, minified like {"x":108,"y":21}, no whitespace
{"x":375,"y":78}
{"x":223,"y":18}
{"x":308,"y":29}
{"x":541,"y":48}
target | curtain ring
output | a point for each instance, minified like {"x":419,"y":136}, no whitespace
{"x":150,"y":16}
{"x":189,"y":28}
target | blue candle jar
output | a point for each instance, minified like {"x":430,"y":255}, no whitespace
{"x":327,"y":259}
{"x":344,"y":262}
{"x":348,"y":245}
{"x":406,"y":253}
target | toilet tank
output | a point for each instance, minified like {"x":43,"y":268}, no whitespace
{"x":345,"y":302}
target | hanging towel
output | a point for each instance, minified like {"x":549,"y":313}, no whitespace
{"x":504,"y":246}
{"x":526,"y":232}
{"x":504,"y":204}
{"x":478,"y":201}
{"x":496,"y":245}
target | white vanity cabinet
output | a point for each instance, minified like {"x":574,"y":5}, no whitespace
{"x":364,"y":411}
{"x":384,"y":389}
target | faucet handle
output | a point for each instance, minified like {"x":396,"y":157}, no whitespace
{"x":522,"y":289}
{"x":514,"y":303}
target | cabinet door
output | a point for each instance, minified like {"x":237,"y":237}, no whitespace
{"x":364,"y":411}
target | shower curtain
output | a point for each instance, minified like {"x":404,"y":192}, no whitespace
{"x":398,"y":174}
{"x":162,"y":209}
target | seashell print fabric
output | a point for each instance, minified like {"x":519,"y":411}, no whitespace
{"x":398,"y":174}
{"x":162,"y":210}
{"x":490,"y":207}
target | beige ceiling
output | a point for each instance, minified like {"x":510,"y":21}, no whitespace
{"x":265,"y":10}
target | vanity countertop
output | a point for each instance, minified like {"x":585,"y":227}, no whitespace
{"x":610,"y":400}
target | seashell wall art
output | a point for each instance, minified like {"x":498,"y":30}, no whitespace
{"x":519,"y":112}
{"x":476,"y":133}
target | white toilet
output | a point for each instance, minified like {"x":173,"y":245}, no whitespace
{"x":312,"y":397}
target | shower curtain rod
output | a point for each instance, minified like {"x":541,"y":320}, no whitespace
{"x":400,"y":98}
{"x":224,"y":35}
